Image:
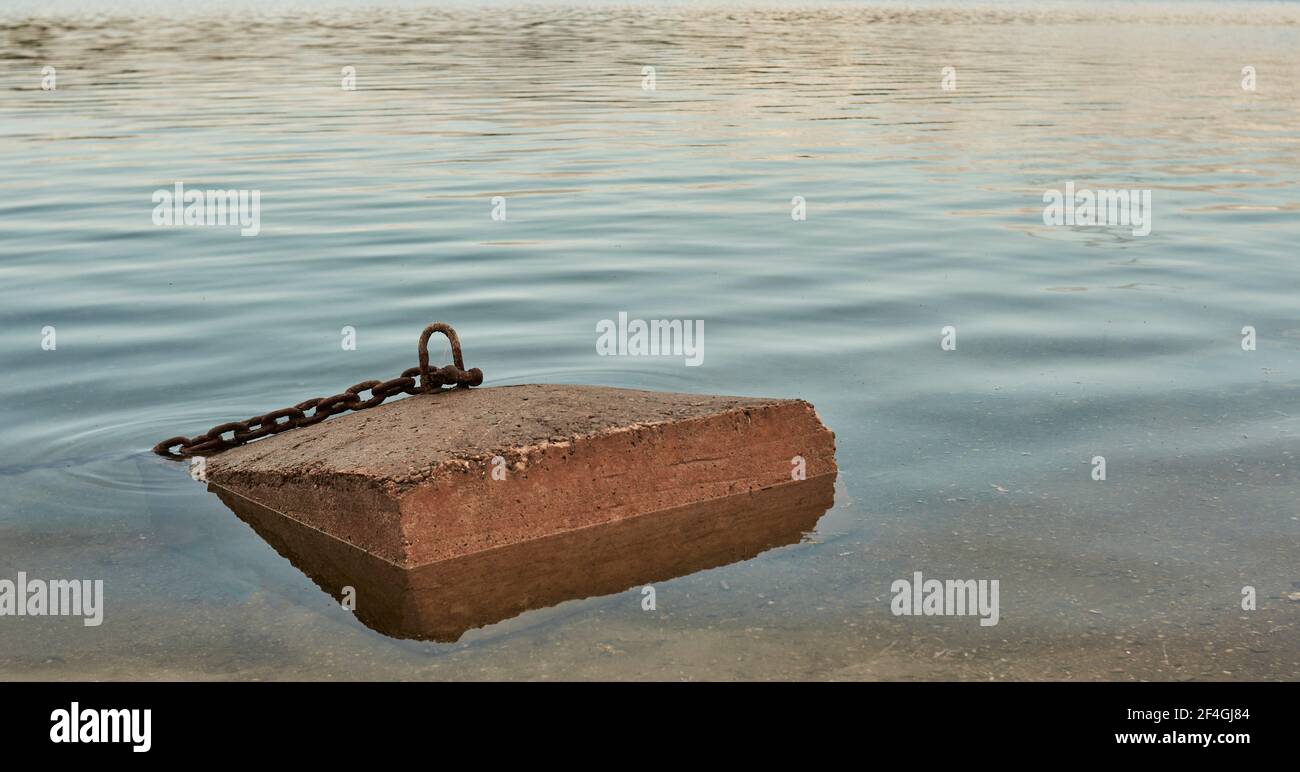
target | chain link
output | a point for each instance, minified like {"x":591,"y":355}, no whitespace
{"x":214,"y":440}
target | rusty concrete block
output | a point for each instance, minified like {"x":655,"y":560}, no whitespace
{"x":412,"y":481}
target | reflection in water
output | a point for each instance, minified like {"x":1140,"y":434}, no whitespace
{"x":443,"y":600}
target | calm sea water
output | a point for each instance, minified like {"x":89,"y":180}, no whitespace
{"x":924,"y":209}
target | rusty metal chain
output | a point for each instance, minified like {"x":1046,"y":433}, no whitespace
{"x":284,"y":419}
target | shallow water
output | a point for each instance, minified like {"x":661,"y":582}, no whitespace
{"x":924,"y":209}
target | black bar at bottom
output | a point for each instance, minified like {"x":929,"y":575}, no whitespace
{"x":246,"y":720}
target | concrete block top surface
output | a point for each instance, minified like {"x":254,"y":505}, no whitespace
{"x":400,"y":441}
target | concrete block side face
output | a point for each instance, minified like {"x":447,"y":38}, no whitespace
{"x":444,"y":599}
{"x":352,"y":508}
{"x":559,"y":486}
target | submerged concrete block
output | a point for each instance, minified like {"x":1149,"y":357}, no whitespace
{"x":443,"y":600}
{"x":412,"y":481}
